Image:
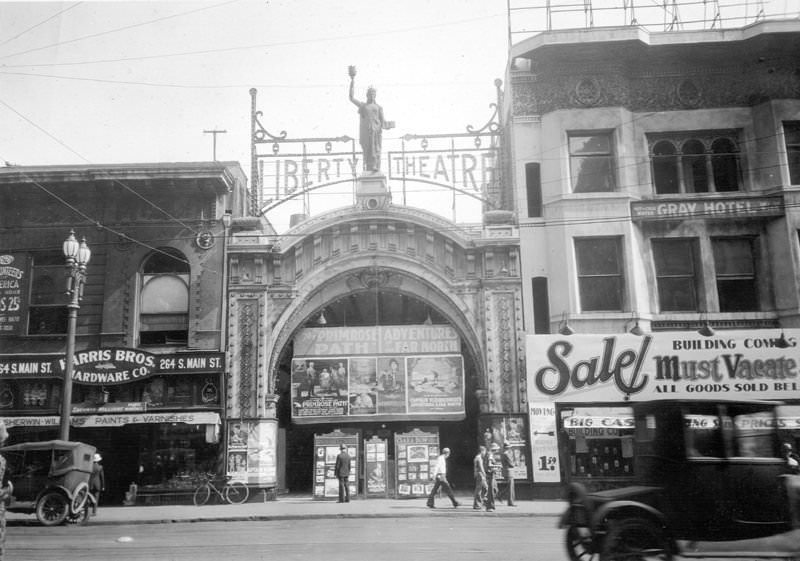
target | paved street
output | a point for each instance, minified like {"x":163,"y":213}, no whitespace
{"x":454,"y":535}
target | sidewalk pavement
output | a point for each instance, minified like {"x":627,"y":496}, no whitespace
{"x":294,"y":507}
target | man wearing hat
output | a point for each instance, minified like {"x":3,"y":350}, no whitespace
{"x":97,"y":482}
{"x":342,"y":472}
{"x":508,"y":464}
{"x":490,"y":466}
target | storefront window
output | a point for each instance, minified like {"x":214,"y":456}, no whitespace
{"x":600,"y":441}
{"x":158,"y":392}
{"x":175,"y":456}
{"x":47,"y":311}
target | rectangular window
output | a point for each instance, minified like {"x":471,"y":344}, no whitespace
{"x":736,"y":274}
{"x":591,"y":162}
{"x":791,"y":131}
{"x":600,"y":277}
{"x":676,"y":276}
{"x":47,"y":312}
{"x":533,"y":186}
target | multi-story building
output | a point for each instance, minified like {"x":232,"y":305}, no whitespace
{"x":148,"y":386}
{"x":656,"y":177}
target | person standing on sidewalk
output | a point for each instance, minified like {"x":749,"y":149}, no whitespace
{"x":489,"y":465}
{"x":97,"y":481}
{"x":479,"y":497}
{"x":342,"y":472}
{"x":440,"y":475}
{"x":508,"y":464}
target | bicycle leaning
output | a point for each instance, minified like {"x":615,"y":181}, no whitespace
{"x":232,"y":492}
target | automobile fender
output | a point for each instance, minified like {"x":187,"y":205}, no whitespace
{"x":628,"y":509}
{"x":60,"y":488}
{"x":578,"y":509}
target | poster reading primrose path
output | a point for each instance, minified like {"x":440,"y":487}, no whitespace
{"x":377,"y":374}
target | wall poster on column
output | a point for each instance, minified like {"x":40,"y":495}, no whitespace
{"x":251,"y":452}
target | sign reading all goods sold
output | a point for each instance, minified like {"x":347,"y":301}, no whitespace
{"x":729,"y":364}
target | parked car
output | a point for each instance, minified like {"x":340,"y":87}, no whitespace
{"x":50,"y":479}
{"x":709,"y":477}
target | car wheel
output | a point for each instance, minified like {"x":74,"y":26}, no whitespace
{"x":81,"y":518}
{"x":635,"y":539}
{"x":52,"y":508}
{"x":79,"y":497}
{"x":579,"y":544}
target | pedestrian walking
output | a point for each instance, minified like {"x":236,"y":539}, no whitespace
{"x":489,"y":465}
{"x":342,"y":472}
{"x":440,"y":475}
{"x":97,"y":481}
{"x":6,"y":491}
{"x":507,"y":464}
{"x":479,"y":496}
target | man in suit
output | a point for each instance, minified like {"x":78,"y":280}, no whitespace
{"x":342,"y":472}
{"x":508,"y":465}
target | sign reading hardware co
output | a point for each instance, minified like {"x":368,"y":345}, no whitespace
{"x":110,"y":366}
{"x":685,"y":365}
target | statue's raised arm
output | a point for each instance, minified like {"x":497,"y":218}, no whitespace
{"x":371,"y":125}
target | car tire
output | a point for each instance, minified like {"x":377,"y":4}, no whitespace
{"x":635,"y":539}
{"x":80,"y":518}
{"x":52,"y":508}
{"x":579,"y":544}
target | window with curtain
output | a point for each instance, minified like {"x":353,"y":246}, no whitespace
{"x":591,"y":162}
{"x":164,"y":299}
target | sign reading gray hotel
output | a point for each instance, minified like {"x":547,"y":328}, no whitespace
{"x":729,"y":207}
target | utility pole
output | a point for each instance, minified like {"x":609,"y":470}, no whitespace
{"x":215,"y":132}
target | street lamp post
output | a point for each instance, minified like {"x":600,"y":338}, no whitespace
{"x":77,"y":256}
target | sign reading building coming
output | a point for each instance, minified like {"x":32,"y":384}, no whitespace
{"x":377,"y":373}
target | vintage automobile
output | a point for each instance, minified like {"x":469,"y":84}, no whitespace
{"x":50,"y":479}
{"x":709,"y":480}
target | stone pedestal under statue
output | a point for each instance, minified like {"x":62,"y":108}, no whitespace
{"x":372,"y":192}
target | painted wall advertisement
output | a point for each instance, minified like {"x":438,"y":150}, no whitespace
{"x":377,"y":373}
{"x":616,"y":368}
{"x":13,"y":292}
{"x":606,"y":368}
{"x":251,"y":452}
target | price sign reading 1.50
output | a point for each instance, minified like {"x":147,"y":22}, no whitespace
{"x":547,"y":463}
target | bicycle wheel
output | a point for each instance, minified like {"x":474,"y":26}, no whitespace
{"x":202,"y":494}
{"x":236,"y":493}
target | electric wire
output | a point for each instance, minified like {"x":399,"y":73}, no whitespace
{"x":29,"y":29}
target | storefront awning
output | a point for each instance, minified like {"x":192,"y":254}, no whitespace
{"x":118,"y":420}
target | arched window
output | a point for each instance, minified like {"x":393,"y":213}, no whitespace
{"x":695,"y":162}
{"x":665,"y":168}
{"x":725,"y":164}
{"x":695,"y":173}
{"x":164,"y":299}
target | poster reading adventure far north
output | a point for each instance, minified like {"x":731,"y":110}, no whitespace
{"x":377,"y":373}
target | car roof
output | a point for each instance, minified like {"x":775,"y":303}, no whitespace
{"x":44,"y":445}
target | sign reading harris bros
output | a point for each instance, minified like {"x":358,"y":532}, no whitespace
{"x":110,"y":366}
{"x":377,"y":373}
{"x":614,"y":368}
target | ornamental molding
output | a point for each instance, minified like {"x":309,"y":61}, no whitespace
{"x":691,"y":89}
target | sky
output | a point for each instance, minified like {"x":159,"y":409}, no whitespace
{"x":127,"y":82}
{"x":124,"y":82}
